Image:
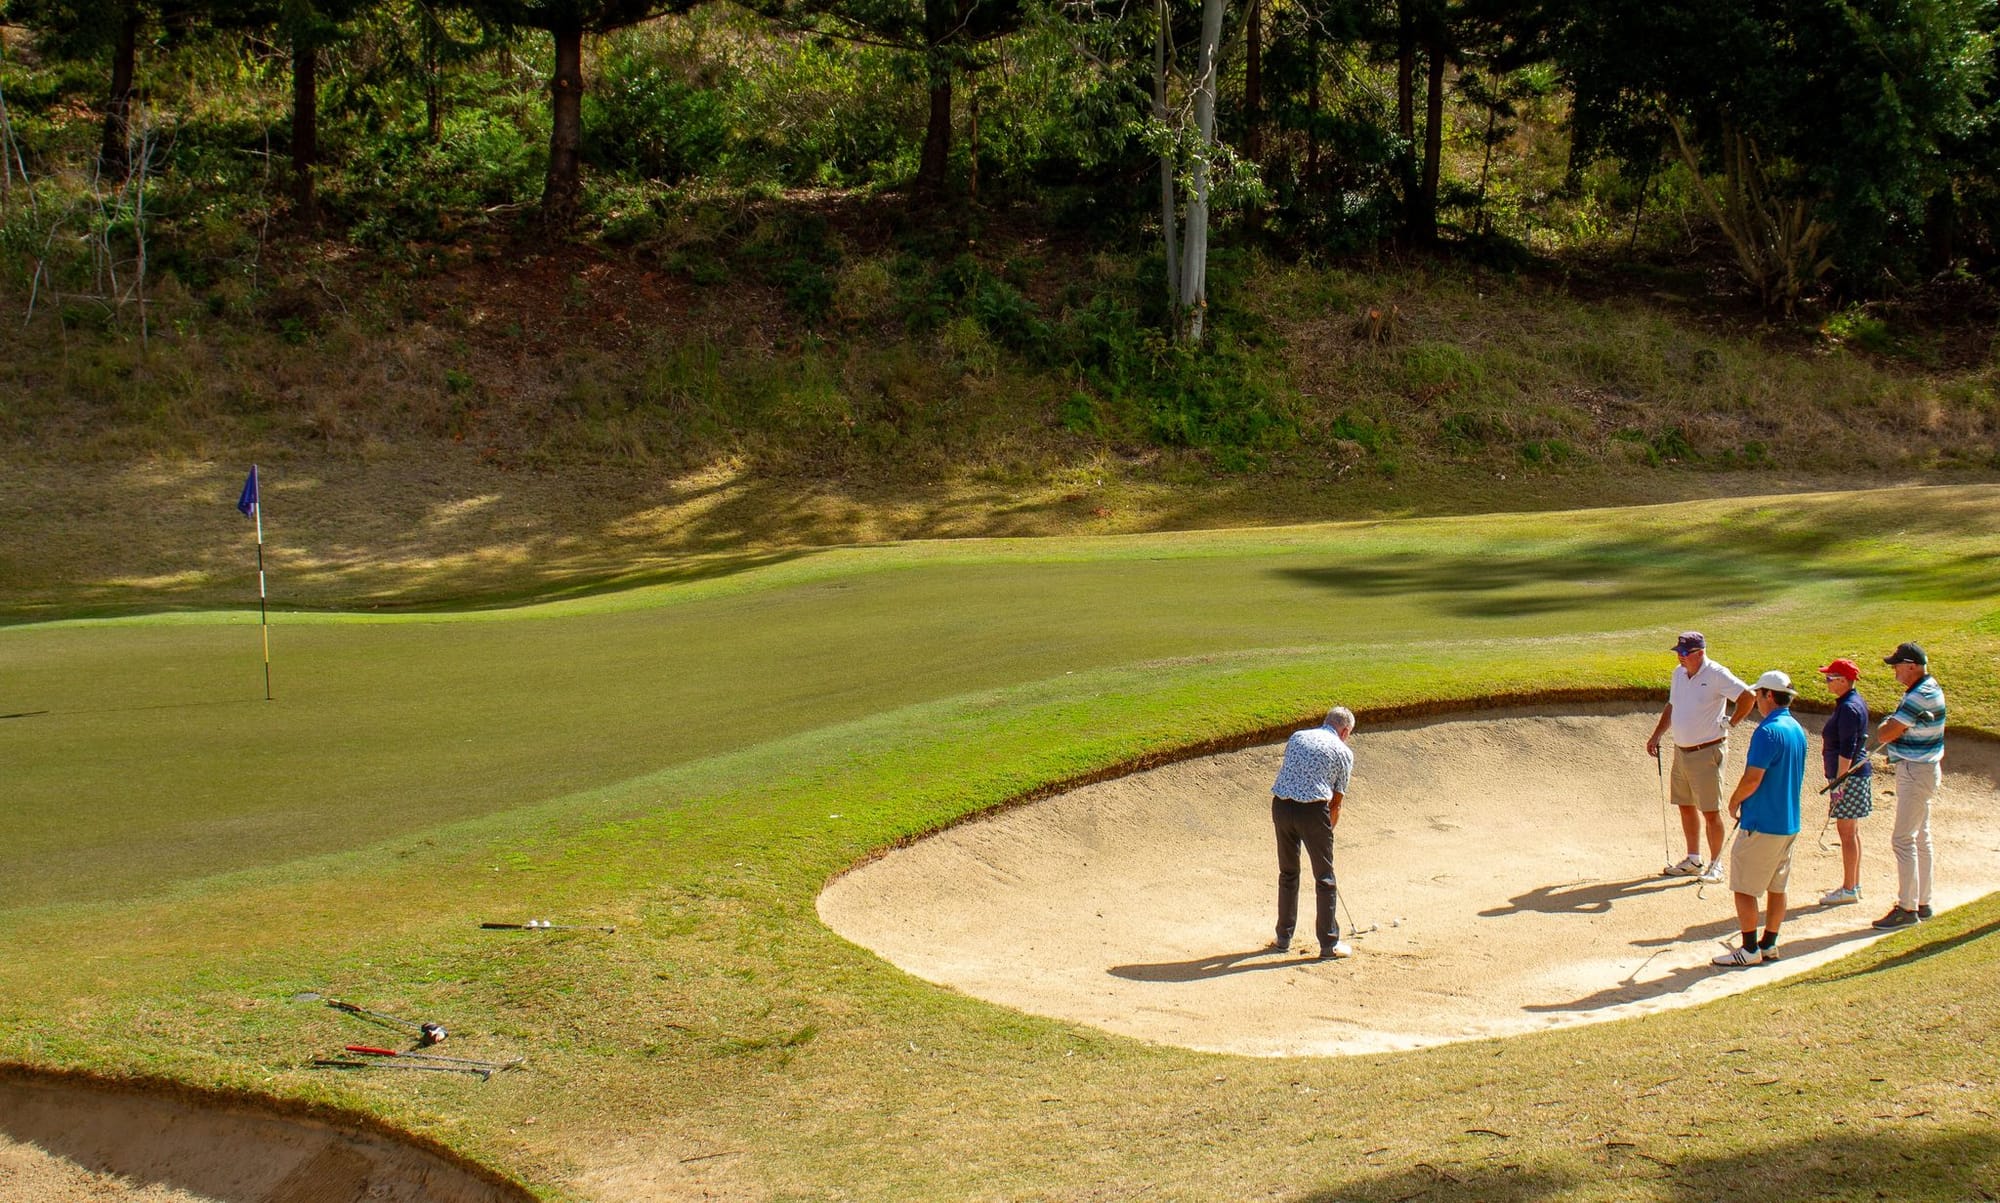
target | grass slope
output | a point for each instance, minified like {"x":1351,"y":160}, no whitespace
{"x":692,"y":760}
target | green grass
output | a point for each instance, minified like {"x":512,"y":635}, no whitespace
{"x":691,"y":760}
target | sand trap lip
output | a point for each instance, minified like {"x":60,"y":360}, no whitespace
{"x":1520,"y":849}
{"x":64,"y":1137}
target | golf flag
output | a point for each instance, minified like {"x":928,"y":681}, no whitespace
{"x":254,"y":508}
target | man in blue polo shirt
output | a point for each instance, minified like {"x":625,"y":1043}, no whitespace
{"x":1914,"y":739}
{"x":1766,"y":808}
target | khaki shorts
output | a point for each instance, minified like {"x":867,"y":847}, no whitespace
{"x":1760,"y":863}
{"x":1697,"y":777}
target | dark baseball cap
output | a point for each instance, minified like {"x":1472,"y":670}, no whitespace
{"x":1907,"y":653}
{"x":1690,"y":641}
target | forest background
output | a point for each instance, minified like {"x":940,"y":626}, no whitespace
{"x":975,"y":266}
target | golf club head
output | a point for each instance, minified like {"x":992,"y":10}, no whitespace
{"x":430,"y":1033}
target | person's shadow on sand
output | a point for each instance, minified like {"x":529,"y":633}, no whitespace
{"x":1631,"y":990}
{"x":1584,"y":898}
{"x":1222,"y":964}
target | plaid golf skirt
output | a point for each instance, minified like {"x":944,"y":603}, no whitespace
{"x":1853,"y":798}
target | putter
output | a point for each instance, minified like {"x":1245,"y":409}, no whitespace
{"x":545,"y":925}
{"x":370,"y":1050}
{"x":339,"y":1063}
{"x":427,"y":1033}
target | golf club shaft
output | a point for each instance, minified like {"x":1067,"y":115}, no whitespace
{"x":337,"y":1063}
{"x":1867,"y":756}
{"x":351,"y":1009}
{"x":546,"y":927}
{"x":372,"y":1051}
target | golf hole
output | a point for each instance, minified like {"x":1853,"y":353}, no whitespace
{"x":63,"y":1137}
{"x":1509,"y":861}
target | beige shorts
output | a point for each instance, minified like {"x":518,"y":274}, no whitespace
{"x":1760,"y":863}
{"x":1697,"y":777}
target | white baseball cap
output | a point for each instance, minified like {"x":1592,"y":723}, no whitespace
{"x":1776,"y":681}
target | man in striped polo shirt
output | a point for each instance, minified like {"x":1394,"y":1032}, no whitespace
{"x":1914,"y":738}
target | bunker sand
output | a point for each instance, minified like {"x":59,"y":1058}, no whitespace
{"x":1512,"y":861}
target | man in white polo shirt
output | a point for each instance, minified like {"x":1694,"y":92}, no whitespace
{"x":1698,"y":711}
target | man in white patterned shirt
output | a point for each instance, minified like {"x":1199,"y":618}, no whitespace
{"x":1305,"y":805}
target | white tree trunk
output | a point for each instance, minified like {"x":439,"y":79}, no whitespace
{"x":1169,"y":223}
{"x":1194,"y":256}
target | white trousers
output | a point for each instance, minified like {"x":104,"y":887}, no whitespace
{"x":1916,"y":785}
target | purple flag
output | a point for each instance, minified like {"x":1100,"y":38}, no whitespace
{"x":248,"y":502}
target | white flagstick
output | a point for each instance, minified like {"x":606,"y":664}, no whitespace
{"x":263,"y":609}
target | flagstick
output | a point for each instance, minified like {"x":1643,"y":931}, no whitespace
{"x":263,"y":611}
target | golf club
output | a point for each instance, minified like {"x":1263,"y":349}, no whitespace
{"x":427,"y":1033}
{"x":1666,"y":807}
{"x":1867,"y":755}
{"x":496,"y":1066}
{"x":545,"y":925}
{"x":1354,"y":932}
{"x":339,"y":1063}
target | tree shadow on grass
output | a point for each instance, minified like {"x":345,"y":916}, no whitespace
{"x":1922,"y":951}
{"x":1739,"y":560}
{"x":1828,"y":1163}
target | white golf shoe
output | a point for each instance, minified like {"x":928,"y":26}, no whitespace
{"x":1686,"y":868}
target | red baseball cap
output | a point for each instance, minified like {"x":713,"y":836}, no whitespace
{"x":1841,"y":668}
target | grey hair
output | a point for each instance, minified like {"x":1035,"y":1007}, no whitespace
{"x":1341,"y":719}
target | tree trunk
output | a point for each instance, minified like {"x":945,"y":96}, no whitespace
{"x":937,"y":135}
{"x":1169,"y":224}
{"x":305,"y":122}
{"x":1312,"y":106}
{"x":115,"y":158}
{"x":433,"y":51}
{"x":562,"y":191}
{"x":1194,"y":251}
{"x":941,"y":19}
{"x":1253,"y":83}
{"x":1426,"y":229}
{"x":1406,"y":110}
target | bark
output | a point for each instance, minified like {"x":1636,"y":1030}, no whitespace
{"x":1312,"y":106}
{"x":941,"y":19}
{"x":1406,"y":109}
{"x":305,"y":123}
{"x":562,"y":191}
{"x":1425,"y":226}
{"x":1169,"y":225}
{"x":1194,"y":252}
{"x":1253,"y":83}
{"x":115,"y":158}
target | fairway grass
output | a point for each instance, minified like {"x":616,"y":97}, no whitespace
{"x":691,"y":760}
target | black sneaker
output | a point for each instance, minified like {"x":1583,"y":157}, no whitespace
{"x":1924,"y":910}
{"x":1897,"y":917}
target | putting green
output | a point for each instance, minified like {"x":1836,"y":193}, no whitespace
{"x":692,"y":762}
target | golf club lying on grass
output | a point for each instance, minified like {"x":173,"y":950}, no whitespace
{"x":370,"y":1050}
{"x":341,"y":1063}
{"x":427,"y":1033}
{"x":545,"y":925}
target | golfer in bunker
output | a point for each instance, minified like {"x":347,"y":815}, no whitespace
{"x":1305,"y":806}
{"x":1766,"y":807}
{"x":1698,"y":713}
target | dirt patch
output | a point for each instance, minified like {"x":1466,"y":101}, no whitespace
{"x":1511,"y":860}
{"x":63,"y":1140}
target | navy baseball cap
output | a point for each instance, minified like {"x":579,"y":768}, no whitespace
{"x":1690,"y":641}
{"x":1907,"y":653}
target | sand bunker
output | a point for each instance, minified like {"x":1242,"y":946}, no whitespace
{"x":1512,"y":860}
{"x":65,"y":1142}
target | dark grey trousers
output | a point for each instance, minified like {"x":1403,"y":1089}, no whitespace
{"x":1304,"y":823}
